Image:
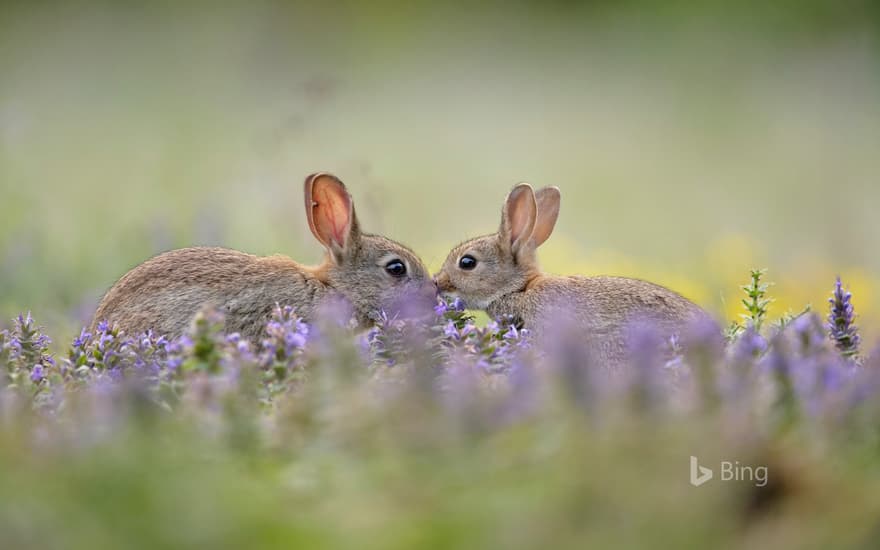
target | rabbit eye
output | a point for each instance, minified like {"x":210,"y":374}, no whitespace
{"x":396,"y":268}
{"x":467,"y":262}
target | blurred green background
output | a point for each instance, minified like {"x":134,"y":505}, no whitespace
{"x":692,"y":141}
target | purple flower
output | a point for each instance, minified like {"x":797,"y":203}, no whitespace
{"x":286,"y":337}
{"x":37,"y":373}
{"x":295,"y":339}
{"x":841,"y":319}
{"x":833,"y":375}
{"x":749,"y":346}
{"x":27,"y":345}
{"x":645,"y":345}
{"x":174,"y":363}
{"x":80,"y":341}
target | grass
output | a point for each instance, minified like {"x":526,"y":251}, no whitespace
{"x":468,"y":438}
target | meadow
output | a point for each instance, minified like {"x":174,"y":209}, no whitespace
{"x":431,"y":431}
{"x":692,"y":143}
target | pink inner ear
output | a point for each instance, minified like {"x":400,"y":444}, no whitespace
{"x":332,"y":214}
{"x":518,"y":221}
{"x":520,"y":213}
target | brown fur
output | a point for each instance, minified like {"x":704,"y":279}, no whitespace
{"x":508,"y":281}
{"x":165,"y":292}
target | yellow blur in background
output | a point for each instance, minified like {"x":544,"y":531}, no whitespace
{"x":692,"y":141}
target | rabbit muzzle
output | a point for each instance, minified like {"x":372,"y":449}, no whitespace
{"x":443,"y":284}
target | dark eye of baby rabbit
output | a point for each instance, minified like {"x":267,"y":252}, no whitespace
{"x":396,"y":268}
{"x":467,"y":262}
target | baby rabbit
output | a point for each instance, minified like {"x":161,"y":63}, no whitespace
{"x":369,"y":271}
{"x":499,"y":273}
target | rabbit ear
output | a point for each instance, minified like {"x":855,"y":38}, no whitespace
{"x":548,"y":199}
{"x":518,"y":218}
{"x":330,"y":212}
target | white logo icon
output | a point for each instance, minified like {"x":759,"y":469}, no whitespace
{"x":699,"y":474}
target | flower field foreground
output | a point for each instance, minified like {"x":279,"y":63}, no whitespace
{"x":430,"y":431}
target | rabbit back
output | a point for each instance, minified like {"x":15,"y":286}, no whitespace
{"x":165,"y":293}
{"x":602,"y":308}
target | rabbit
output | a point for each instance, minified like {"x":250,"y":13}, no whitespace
{"x":164,"y":293}
{"x":499,"y":273}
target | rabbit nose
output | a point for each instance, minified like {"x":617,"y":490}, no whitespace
{"x":441,"y":281}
